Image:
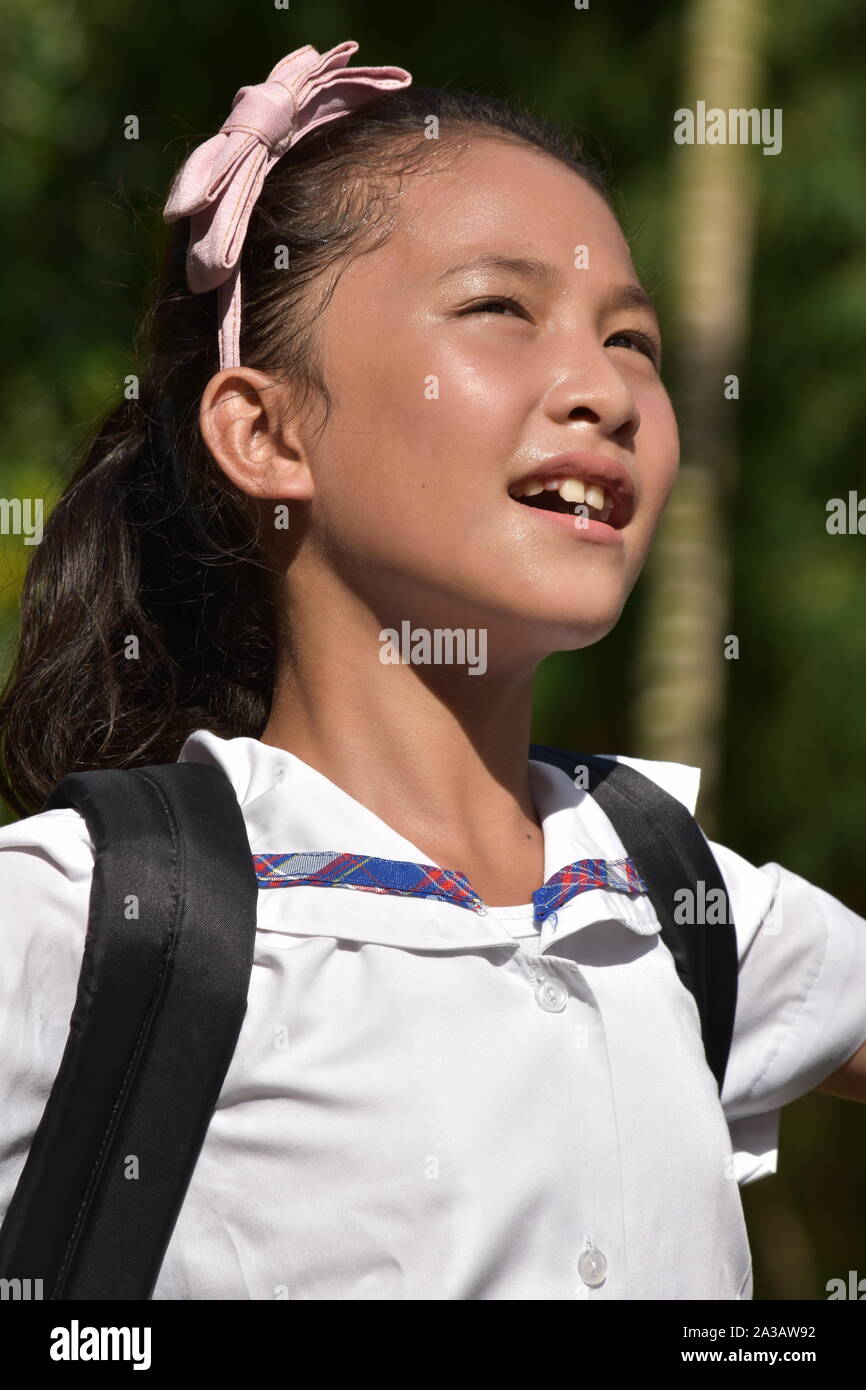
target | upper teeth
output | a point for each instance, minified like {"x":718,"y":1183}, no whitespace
{"x":569,"y":489}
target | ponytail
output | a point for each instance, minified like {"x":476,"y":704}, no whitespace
{"x":129,"y":636}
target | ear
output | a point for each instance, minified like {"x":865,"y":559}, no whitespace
{"x":246,"y":423}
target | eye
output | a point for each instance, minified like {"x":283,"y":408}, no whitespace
{"x":646,"y":343}
{"x":487,"y":306}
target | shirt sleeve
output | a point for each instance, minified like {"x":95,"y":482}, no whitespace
{"x":46,"y":868}
{"x":801,"y":1006}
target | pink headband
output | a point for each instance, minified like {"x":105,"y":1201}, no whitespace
{"x":219,"y":182}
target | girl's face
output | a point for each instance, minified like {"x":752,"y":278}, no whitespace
{"x":452,"y":382}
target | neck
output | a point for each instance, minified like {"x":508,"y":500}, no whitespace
{"x":437,"y":753}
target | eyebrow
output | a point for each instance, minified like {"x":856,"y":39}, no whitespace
{"x":633,"y":297}
{"x":541,"y":273}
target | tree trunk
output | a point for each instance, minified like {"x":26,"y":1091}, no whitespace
{"x":681,"y":664}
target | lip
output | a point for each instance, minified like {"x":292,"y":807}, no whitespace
{"x":598,"y":531}
{"x":590,"y":468}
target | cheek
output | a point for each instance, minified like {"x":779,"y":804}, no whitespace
{"x":416,"y":427}
{"x":656,"y":464}
{"x":657,"y":448}
{"x":452,"y":413}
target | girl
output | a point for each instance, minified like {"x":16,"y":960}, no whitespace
{"x":400,"y":434}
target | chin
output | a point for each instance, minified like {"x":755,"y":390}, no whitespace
{"x":583,"y":633}
{"x":575,"y":617}
{"x":554,"y":630}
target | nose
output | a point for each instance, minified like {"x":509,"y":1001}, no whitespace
{"x":597,"y":393}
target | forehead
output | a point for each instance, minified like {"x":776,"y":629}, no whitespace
{"x":490,"y":195}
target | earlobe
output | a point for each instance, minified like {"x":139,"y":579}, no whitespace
{"x":244,"y":430}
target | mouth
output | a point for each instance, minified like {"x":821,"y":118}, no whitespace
{"x":564,"y":495}
{"x":588,"y":494}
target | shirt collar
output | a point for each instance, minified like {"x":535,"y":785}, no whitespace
{"x":364,"y":873}
{"x":291,"y":808}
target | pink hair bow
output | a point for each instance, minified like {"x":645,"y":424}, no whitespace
{"x":218,"y":184}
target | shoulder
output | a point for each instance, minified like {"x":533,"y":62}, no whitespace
{"x":46,"y":870}
{"x":44,"y":849}
{"x":678,"y":779}
{"x":801,"y":999}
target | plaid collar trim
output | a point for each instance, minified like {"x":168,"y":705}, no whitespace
{"x":401,"y":877}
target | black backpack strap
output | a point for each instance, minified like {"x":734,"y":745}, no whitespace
{"x":670,"y":851}
{"x":161,"y":997}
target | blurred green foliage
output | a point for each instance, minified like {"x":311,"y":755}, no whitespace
{"x":80,"y":216}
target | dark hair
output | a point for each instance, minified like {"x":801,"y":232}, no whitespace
{"x":149,"y":540}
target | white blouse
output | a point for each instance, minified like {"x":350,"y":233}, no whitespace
{"x":406,"y":1115}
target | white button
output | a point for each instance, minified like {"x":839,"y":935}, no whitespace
{"x":551,"y":995}
{"x":481,"y":910}
{"x":592,"y":1267}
